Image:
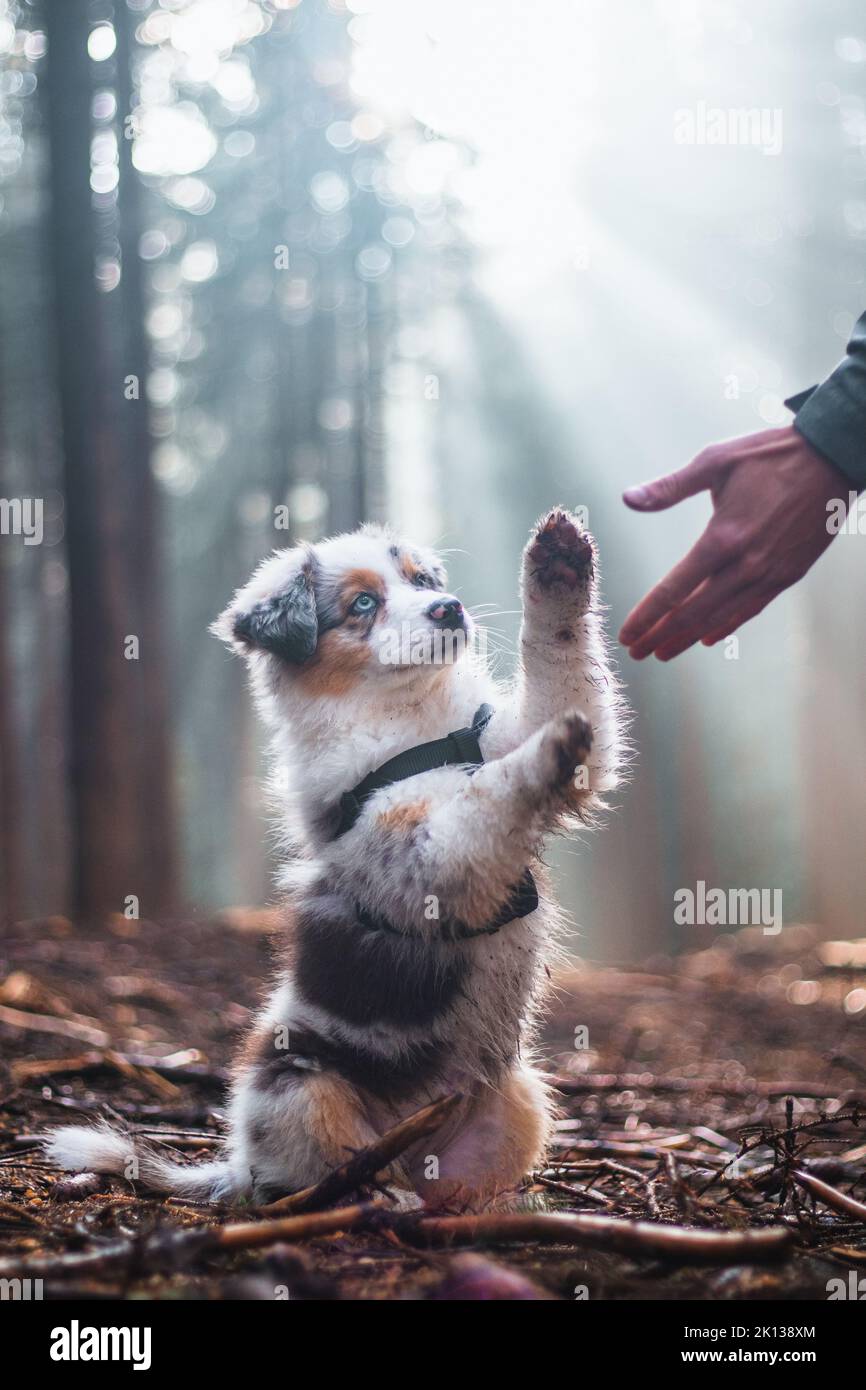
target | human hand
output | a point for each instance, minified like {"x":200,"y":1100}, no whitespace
{"x":769,"y":525}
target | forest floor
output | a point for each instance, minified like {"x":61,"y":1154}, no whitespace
{"x":724,"y":1092}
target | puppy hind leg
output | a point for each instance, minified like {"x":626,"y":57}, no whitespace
{"x":299,"y":1134}
{"x":529,"y":1120}
{"x":502,"y":1141}
{"x":340,"y":1127}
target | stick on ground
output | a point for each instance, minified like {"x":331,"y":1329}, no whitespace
{"x":680,"y":1243}
{"x":831,"y":1196}
{"x":177,"y":1248}
{"x":363,"y":1167}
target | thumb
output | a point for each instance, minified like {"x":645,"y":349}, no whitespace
{"x":666,"y":491}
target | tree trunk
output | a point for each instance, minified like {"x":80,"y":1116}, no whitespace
{"x":157,"y":842}
{"x":118,"y":771}
{"x":11,"y":848}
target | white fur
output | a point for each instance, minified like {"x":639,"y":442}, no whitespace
{"x":100,"y":1148}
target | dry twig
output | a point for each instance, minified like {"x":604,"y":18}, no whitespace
{"x":363,"y":1167}
{"x":831,"y":1196}
{"x":643,"y":1238}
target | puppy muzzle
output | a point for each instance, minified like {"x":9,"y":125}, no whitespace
{"x":448,"y":613}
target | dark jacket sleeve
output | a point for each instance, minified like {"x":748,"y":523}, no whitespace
{"x":832,"y":416}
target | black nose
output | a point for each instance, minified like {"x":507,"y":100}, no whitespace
{"x":447,"y":612}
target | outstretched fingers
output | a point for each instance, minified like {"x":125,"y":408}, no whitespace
{"x":753,"y":603}
{"x":702,"y":561}
{"x":697,"y":614}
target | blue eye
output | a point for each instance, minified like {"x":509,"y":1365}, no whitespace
{"x":364,"y":604}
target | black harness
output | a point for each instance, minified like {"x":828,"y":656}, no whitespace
{"x":460,"y":748}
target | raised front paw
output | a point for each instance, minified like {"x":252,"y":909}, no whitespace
{"x":565,"y":746}
{"x":559,"y":556}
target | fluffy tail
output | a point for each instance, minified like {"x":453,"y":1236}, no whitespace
{"x":99,"y":1148}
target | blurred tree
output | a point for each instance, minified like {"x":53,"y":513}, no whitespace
{"x":143,"y":548}
{"x":119,"y":769}
{"x":11,"y":839}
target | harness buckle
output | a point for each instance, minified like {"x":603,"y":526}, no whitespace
{"x":465,"y":742}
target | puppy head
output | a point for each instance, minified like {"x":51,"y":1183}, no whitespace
{"x":360,"y":608}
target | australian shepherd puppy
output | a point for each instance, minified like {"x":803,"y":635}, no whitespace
{"x":403,"y":976}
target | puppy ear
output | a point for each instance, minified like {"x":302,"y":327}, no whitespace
{"x":283,"y":623}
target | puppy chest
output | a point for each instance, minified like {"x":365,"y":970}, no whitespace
{"x":503,"y":982}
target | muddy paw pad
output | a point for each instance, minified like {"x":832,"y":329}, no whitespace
{"x":560,"y":554}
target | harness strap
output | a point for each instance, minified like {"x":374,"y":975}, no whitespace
{"x":460,"y":748}
{"x":522,"y":900}
{"x":456,"y":749}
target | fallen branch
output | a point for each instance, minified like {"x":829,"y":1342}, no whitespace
{"x":607,"y":1082}
{"x":179,"y":1138}
{"x":60,"y":1027}
{"x":831,"y":1196}
{"x":106,"y":1058}
{"x":152,"y":1070}
{"x":34,"y":1069}
{"x":363,"y":1167}
{"x":146,"y":1076}
{"x":247,"y":1235}
{"x":567,"y":1189}
{"x":606,"y":1148}
{"x":685,"y":1245}
{"x":179,"y":1247}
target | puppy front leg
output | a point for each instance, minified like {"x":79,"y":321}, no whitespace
{"x":563,"y":656}
{"x":470,"y":849}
